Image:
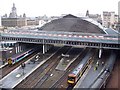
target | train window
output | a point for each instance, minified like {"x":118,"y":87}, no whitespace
{"x":71,"y":78}
{"x":13,"y":60}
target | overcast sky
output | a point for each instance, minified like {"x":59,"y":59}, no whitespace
{"x":57,"y":7}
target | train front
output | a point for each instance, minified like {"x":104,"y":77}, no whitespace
{"x":10,"y":61}
{"x":71,"y":79}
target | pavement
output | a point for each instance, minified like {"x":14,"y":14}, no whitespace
{"x":19,"y":74}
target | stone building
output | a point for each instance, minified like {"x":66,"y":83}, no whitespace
{"x":14,"y":20}
{"x":118,"y":26}
{"x":95,"y":17}
{"x":110,"y":19}
{"x":32,"y":21}
{"x":0,"y":21}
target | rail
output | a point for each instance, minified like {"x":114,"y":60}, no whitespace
{"x":67,"y":38}
{"x":105,"y":72}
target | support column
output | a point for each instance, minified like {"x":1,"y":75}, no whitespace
{"x":15,"y":49}
{"x":43,"y":47}
{"x":46,"y":48}
{"x":18,"y":48}
{"x":2,"y":45}
{"x":22,"y":47}
{"x":100,"y":51}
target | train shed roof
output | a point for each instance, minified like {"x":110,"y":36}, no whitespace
{"x":70,"y":23}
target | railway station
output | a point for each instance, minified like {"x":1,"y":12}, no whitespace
{"x":70,"y":52}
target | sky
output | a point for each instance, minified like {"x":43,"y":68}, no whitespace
{"x":34,"y":8}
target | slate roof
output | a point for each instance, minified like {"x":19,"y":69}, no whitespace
{"x":70,"y":23}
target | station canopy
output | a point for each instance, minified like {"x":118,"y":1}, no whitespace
{"x":70,"y":23}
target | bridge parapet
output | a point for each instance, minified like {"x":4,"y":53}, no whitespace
{"x":57,"y":32}
{"x":67,"y":38}
{"x":64,"y":34}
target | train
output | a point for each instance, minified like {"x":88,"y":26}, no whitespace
{"x":102,"y":78}
{"x":106,"y":72}
{"x":18,"y":57}
{"x":76,"y":74}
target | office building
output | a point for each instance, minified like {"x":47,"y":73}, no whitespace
{"x":14,"y":20}
{"x":110,"y":19}
{"x":96,"y":17}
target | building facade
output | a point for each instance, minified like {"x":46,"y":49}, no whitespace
{"x":118,"y":26}
{"x":119,"y":9}
{"x":0,"y":21}
{"x":32,"y":21}
{"x":96,"y":17}
{"x":110,"y":19}
{"x":13,"y":20}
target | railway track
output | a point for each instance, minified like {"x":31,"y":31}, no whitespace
{"x":62,"y":83}
{"x":49,"y":70}
{"x":57,"y":74}
{"x":43,"y":71}
{"x":113,"y":80}
{"x":105,"y":73}
{"x":93,"y":73}
{"x":7,"y":69}
{"x":61,"y":78}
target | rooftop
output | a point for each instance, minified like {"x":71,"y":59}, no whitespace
{"x":72,"y":23}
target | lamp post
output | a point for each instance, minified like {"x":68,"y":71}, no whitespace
{"x":23,"y":67}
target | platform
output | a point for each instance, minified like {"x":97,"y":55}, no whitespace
{"x":65,"y":62}
{"x":91,"y":76}
{"x":2,"y":65}
{"x":19,"y":74}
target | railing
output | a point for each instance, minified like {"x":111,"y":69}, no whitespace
{"x":58,"y":32}
{"x":67,"y":38}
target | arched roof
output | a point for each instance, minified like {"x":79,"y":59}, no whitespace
{"x":70,"y":23}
